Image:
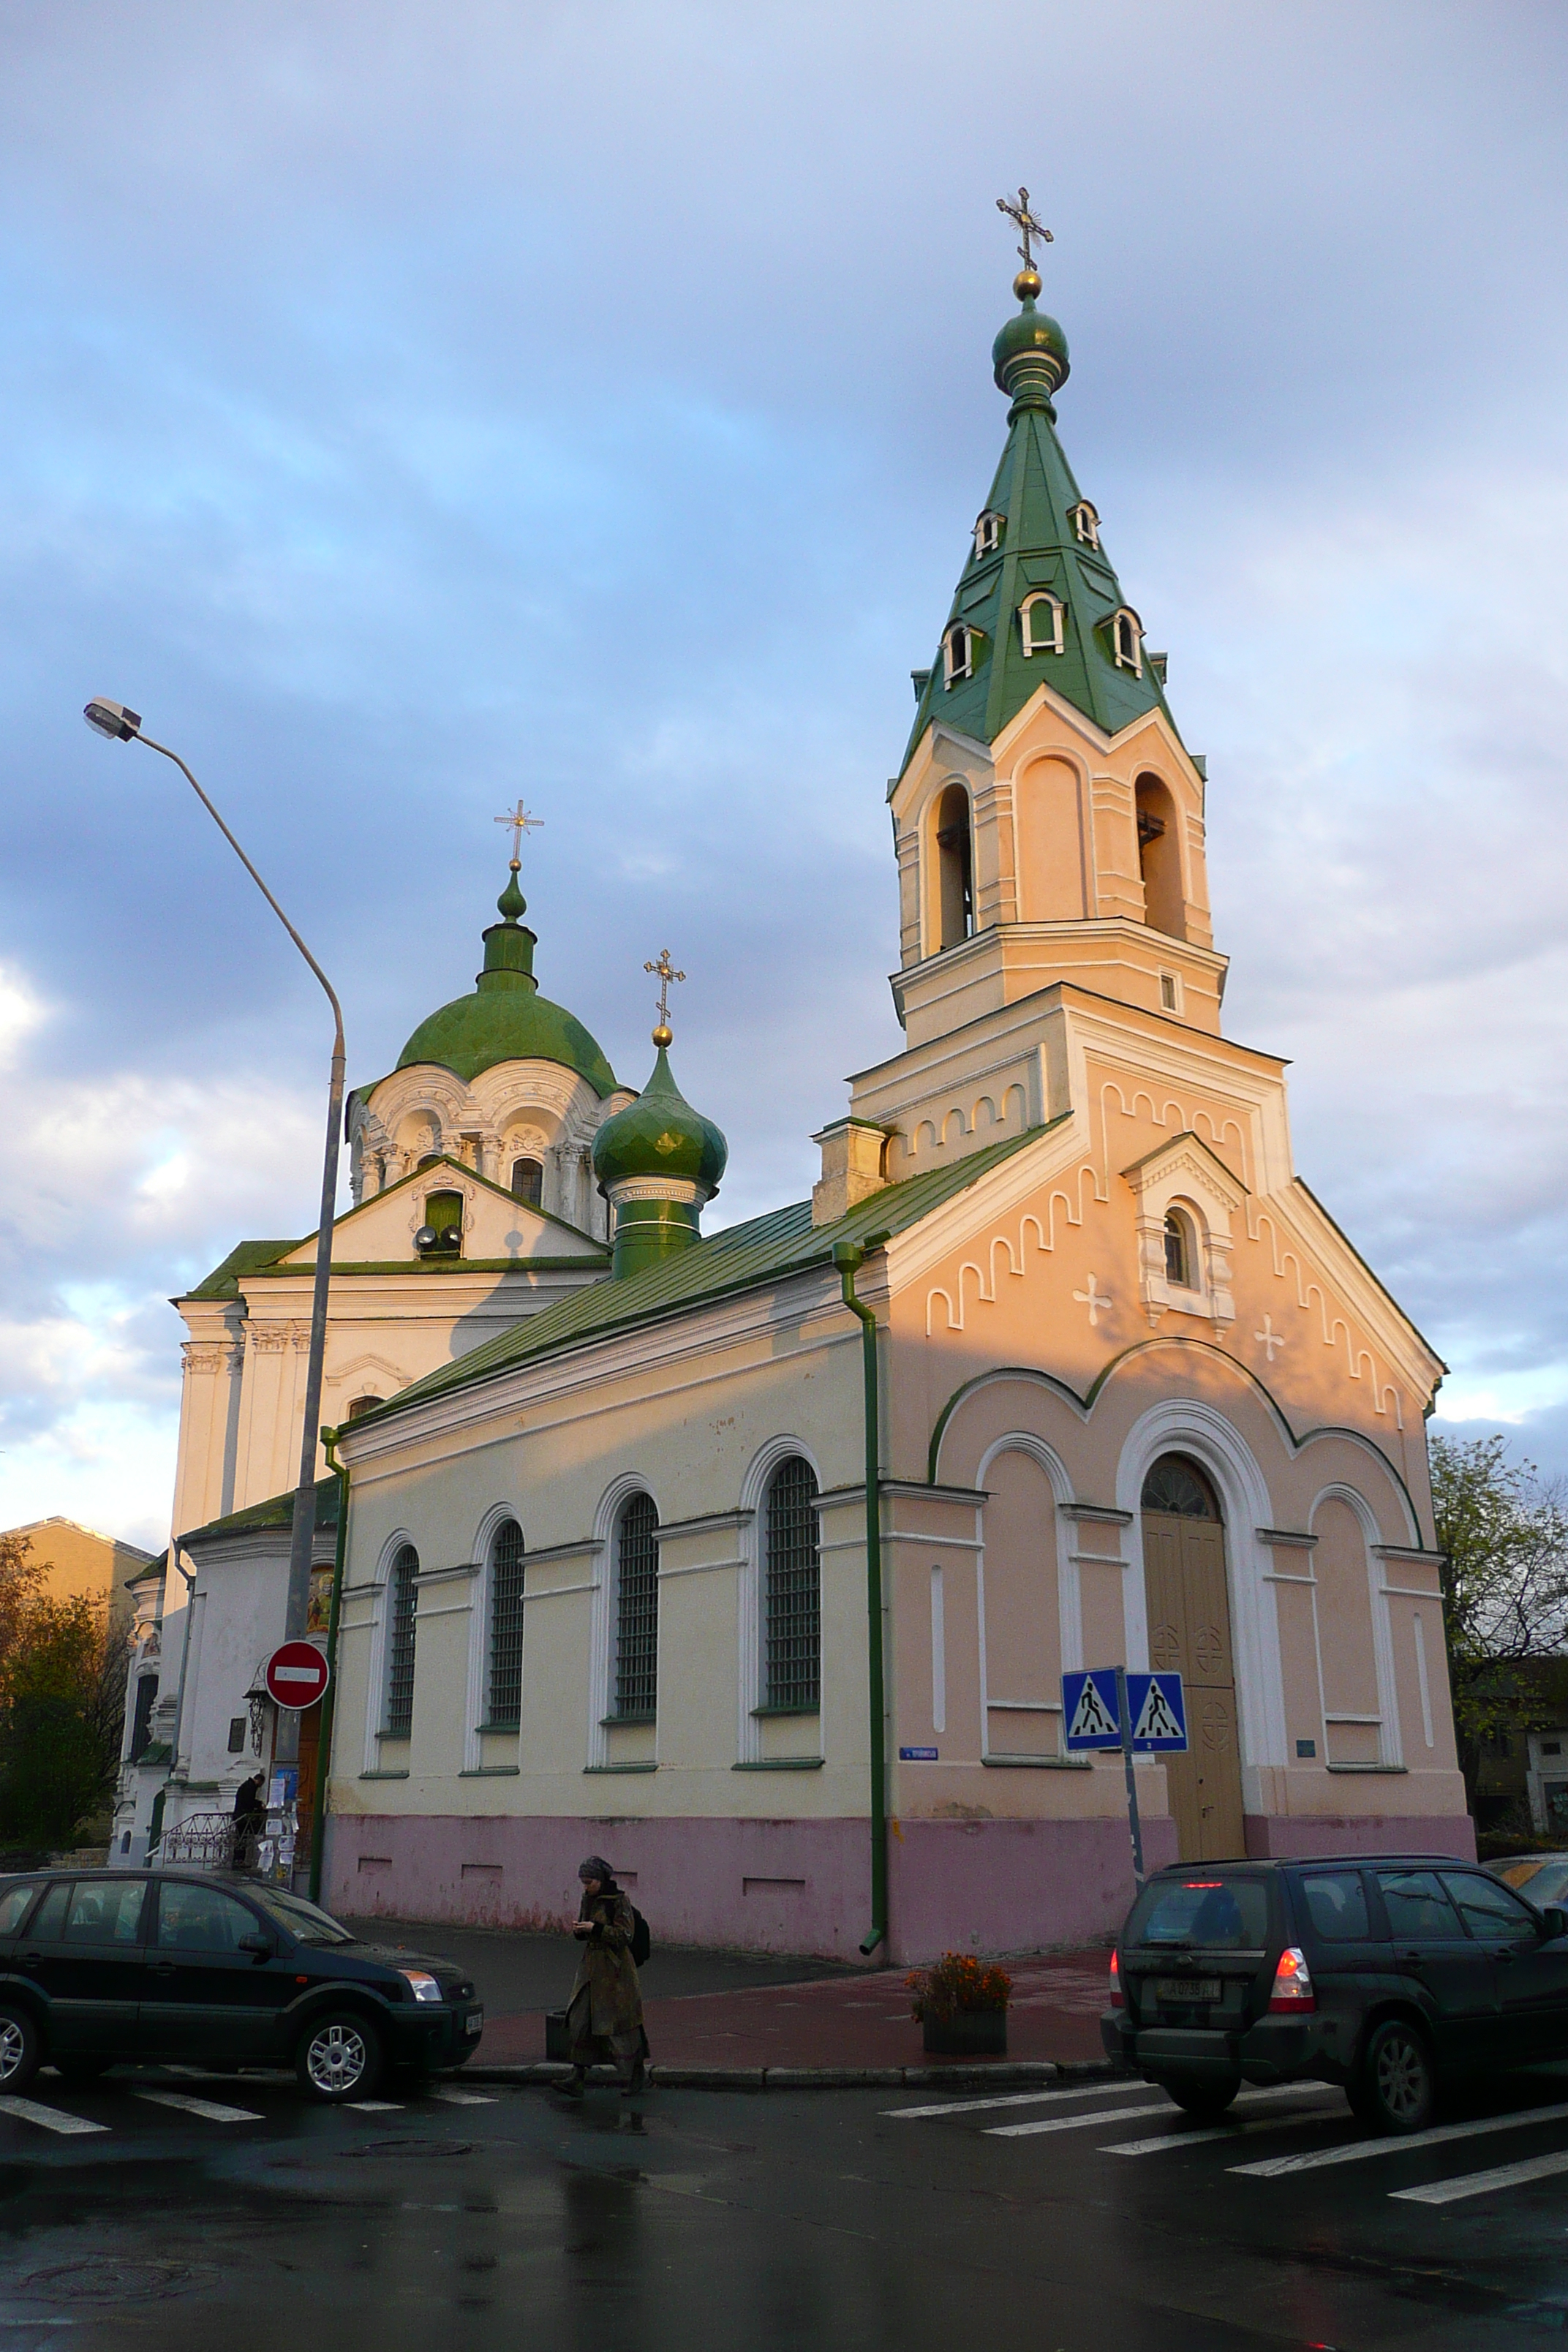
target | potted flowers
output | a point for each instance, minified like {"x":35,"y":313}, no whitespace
{"x":961,"y":2003}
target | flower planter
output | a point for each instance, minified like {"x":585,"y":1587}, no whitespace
{"x":967,"y":2033}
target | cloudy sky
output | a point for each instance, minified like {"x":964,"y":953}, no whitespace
{"x":407,"y":407}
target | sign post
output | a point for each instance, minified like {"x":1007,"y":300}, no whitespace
{"x":296,"y":1676}
{"x":1144,"y":1714}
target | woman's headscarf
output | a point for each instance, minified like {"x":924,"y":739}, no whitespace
{"x":597,"y":1867}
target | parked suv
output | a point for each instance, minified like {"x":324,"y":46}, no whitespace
{"x":200,"y":1968}
{"x":1389,"y":1974}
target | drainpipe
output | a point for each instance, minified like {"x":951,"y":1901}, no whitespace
{"x":847,"y":1257}
{"x":329,"y":1696}
{"x":185,"y":1664}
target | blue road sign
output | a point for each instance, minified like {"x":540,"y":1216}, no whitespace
{"x":1090,"y":1717}
{"x":1158,"y":1708}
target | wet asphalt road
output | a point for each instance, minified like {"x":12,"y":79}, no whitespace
{"x":703,"y":2219}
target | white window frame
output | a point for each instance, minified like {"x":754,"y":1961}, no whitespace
{"x":1127,"y":640}
{"x":380,"y":1662}
{"x":988,"y":532}
{"x":1085,"y":523}
{"x":1036,"y":644}
{"x":753,"y":1548}
{"x":607,"y":1608}
{"x":953,"y":670}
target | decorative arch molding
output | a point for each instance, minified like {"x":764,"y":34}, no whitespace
{"x":753,"y":1535}
{"x":611,"y":1503}
{"x":377,"y":1665}
{"x":1069,"y":1595}
{"x":1187,"y":1426}
{"x":1391,"y":1743}
{"x":1030,"y":1375}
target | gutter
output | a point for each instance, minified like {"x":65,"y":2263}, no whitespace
{"x":847,"y":1257}
{"x":329,"y":1696}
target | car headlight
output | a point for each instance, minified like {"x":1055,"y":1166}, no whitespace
{"x":422,"y":1984}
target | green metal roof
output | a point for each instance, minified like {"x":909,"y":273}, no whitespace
{"x":1034,"y":491}
{"x":764,"y":1250}
{"x":277,"y":1511}
{"x":245,"y":1258}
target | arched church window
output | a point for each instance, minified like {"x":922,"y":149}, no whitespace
{"x":1159,"y":858}
{"x":987,"y":533}
{"x":955,"y":867}
{"x":428,"y":1160}
{"x":1041,"y":623}
{"x":960,"y":652}
{"x":506,"y":1626}
{"x":1085,"y":523}
{"x":528,"y":1181}
{"x":1127,"y":640}
{"x":791,"y":1599}
{"x":637,"y":1611}
{"x":403,"y":1603}
{"x":1179,"y":1487}
{"x":361,"y":1405}
{"x":1181,"y":1250}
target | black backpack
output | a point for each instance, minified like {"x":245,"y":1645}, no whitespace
{"x":642,"y":1942}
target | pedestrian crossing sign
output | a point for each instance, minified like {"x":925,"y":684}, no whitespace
{"x":1157,"y":1704}
{"x":1090,"y":1717}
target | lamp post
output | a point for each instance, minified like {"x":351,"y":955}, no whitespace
{"x":119,"y":725}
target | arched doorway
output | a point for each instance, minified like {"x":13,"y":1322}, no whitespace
{"x":1189,"y":1634}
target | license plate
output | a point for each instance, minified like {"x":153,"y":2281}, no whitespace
{"x":475,"y":2022}
{"x":1186,"y":1988}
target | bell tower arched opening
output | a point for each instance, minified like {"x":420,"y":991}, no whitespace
{"x":956,"y":869}
{"x":1160,"y":859}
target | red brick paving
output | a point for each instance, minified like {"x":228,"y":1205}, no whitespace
{"x":861,"y":2021}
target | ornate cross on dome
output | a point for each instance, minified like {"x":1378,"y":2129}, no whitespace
{"x":521,"y":823}
{"x":1023,"y":220}
{"x":665,"y":972}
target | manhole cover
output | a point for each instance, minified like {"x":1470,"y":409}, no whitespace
{"x":102,"y":2279}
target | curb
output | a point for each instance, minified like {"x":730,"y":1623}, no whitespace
{"x":1021,"y":2073}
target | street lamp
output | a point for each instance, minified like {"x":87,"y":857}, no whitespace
{"x":121,"y":725}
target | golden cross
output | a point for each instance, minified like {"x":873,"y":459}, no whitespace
{"x":1024,"y":219}
{"x":521,"y":823}
{"x":666,"y":972}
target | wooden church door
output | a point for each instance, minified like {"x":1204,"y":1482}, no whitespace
{"x":1189,"y":1632}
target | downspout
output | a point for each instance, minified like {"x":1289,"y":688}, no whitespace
{"x":329,"y":1696}
{"x":847,"y":1257}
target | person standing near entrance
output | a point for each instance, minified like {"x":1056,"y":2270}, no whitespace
{"x":603,"y":2016}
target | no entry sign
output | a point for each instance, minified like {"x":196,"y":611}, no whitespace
{"x":296,"y":1675}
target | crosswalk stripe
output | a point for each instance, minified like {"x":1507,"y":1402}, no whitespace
{"x":1479,"y":2184}
{"x":1160,"y":2140}
{"x":53,"y":2119}
{"x":1018,"y":2099}
{"x":1399,"y":2144}
{"x":1074,"y":2123}
{"x":463,"y":2098}
{"x":212,"y":2110}
{"x":378,"y":2107}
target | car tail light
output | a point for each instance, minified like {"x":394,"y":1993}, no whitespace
{"x":1117,"y":2000}
{"x":1293,"y":1994}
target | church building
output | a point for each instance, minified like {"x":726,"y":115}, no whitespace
{"x":755,"y":1559}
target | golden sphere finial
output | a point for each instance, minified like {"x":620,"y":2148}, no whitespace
{"x":1026,"y":285}
{"x":663,"y":1035}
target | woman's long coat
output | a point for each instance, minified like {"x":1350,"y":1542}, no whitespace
{"x":606,"y":1972}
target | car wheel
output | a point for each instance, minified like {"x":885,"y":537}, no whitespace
{"x":340,"y":2057}
{"x":1396,"y":2087}
{"x":78,"y":2071}
{"x":1204,"y":2102}
{"x":21,"y":2049}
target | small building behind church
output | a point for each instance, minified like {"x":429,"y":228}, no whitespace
{"x":611,"y":1583}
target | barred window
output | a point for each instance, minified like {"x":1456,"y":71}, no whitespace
{"x":402,"y":1603}
{"x":636,"y":1611}
{"x":792,"y":1621}
{"x":506,"y":1624}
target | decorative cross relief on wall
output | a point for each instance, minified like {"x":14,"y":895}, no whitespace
{"x":1269,"y":1338}
{"x":1095,"y":1299}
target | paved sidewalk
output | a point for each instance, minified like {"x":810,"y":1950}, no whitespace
{"x":843,"y":2021}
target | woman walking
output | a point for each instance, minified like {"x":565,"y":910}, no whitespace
{"x":603,"y":2016}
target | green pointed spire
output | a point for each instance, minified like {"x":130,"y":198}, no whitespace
{"x":1036,"y":537}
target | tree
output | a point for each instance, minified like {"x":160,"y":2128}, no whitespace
{"x":1504,"y":1530}
{"x":62,"y":1702}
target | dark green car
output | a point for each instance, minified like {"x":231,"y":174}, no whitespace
{"x":200,"y":1968}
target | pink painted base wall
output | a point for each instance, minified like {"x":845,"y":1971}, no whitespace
{"x":805,"y":1887}
{"x":1276,"y":1834}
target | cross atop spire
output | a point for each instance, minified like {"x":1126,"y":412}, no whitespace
{"x":521,"y":823}
{"x":1023,"y":220}
{"x":665,"y":972}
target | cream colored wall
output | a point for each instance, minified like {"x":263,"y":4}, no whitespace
{"x":688,"y":1418}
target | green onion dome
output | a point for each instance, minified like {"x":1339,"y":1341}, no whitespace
{"x":660,"y":1135}
{"x":1031,"y":354}
{"x":506,"y":1019}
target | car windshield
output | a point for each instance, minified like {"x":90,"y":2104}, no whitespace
{"x":304,"y":1921}
{"x":1202,"y":1914}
